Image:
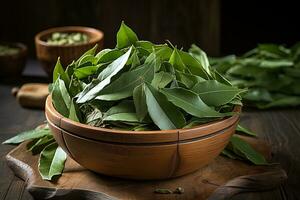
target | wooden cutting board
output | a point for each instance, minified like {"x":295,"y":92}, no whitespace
{"x":221,"y":179}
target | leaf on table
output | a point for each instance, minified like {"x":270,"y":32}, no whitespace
{"x":125,"y":36}
{"x":164,"y":114}
{"x":37,"y":145}
{"x":104,"y":78}
{"x":52,"y":161}
{"x":258,"y":94}
{"x":190,"y":102}
{"x":28,"y":135}
{"x":244,"y":130}
{"x":243,"y":149}
{"x":281,"y":102}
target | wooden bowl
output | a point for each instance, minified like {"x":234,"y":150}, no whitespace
{"x":11,"y":66}
{"x":48,"y":54}
{"x":140,"y":154}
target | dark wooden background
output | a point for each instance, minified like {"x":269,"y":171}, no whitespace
{"x":219,"y":27}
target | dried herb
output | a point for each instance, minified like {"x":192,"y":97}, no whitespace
{"x":58,"y":38}
{"x":8,"y":50}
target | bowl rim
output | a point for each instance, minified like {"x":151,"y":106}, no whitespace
{"x":97,"y":35}
{"x":22,"y":48}
{"x":49,"y":108}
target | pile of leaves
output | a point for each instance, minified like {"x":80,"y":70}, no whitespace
{"x":270,"y":72}
{"x":142,"y":86}
{"x":137,"y":86}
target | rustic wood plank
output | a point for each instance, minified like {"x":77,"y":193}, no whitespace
{"x":198,"y":185}
{"x":281,"y":129}
{"x":11,"y":187}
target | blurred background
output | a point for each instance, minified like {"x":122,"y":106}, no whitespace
{"x":219,"y":27}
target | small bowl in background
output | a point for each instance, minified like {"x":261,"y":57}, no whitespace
{"x":12,"y":65}
{"x":47,"y":54}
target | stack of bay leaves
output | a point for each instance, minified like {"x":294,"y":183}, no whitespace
{"x":138,"y":86}
{"x":270,"y":71}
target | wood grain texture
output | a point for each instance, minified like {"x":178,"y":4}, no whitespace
{"x":79,"y":183}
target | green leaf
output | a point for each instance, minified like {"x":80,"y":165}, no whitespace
{"x":135,"y":60}
{"x":244,"y":130}
{"x":37,"y":145}
{"x":84,"y":72}
{"x":92,"y":89}
{"x":60,"y":72}
{"x":162,"y":79}
{"x":139,"y":98}
{"x":28,"y":135}
{"x":124,"y":111}
{"x":189,"y":102}
{"x":189,"y":80}
{"x":125,"y":36}
{"x":109,"y":55}
{"x":164,"y":114}
{"x":193,"y":65}
{"x":201,"y":56}
{"x":281,"y":102}
{"x":214,"y":93}
{"x":258,"y":94}
{"x":61,"y":98}
{"x":94,"y":118}
{"x":123,"y":86}
{"x":176,"y":61}
{"x":247,"y":151}
{"x":87,"y":55}
{"x":74,"y":114}
{"x":52,"y":161}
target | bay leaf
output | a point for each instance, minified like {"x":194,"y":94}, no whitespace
{"x":243,"y":148}
{"x":214,"y":93}
{"x":52,"y":161}
{"x":60,"y":98}
{"x":164,"y":114}
{"x":29,"y":135}
{"x":190,"y":102}
{"x":125,"y":36}
{"x":139,"y":98}
{"x":123,"y":86}
{"x":92,"y":89}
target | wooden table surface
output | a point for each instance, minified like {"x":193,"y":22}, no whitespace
{"x":279,"y":127}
